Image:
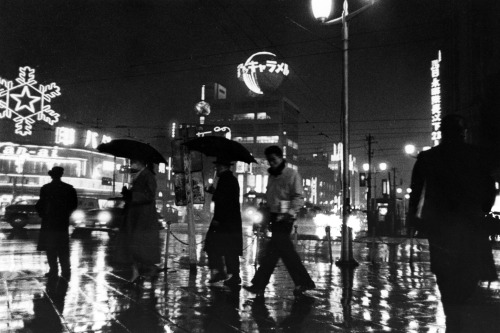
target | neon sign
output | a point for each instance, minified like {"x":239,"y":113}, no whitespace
{"x":436,"y":100}
{"x":27,"y":102}
{"x":250,"y":70}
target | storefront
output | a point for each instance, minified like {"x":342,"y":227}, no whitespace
{"x":26,"y":160}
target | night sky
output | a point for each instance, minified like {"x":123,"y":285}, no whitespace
{"x":140,"y":64}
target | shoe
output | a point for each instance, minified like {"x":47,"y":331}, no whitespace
{"x":254,"y":290}
{"x":217,"y":278}
{"x":299,"y":290}
{"x":234,"y":281}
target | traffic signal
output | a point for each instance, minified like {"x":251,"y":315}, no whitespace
{"x":362,"y":179}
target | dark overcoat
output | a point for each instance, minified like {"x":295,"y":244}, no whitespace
{"x":226,"y":237}
{"x":451,"y":192}
{"x":140,"y":227}
{"x":57,"y":201}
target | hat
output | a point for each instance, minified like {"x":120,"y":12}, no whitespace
{"x":223,"y":161}
{"x":56,"y":171}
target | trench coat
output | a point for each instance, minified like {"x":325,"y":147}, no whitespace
{"x":451,"y":193}
{"x":139,"y":235}
{"x":227,"y":237}
{"x":57,"y":201}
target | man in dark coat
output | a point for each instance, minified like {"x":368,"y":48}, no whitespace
{"x":57,"y":201}
{"x":451,"y":192}
{"x":225,"y":237}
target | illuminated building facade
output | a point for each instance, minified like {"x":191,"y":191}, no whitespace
{"x":26,"y":160}
{"x":257,"y":123}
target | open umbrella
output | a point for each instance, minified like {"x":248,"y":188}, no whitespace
{"x":221,"y":147}
{"x":132,"y":149}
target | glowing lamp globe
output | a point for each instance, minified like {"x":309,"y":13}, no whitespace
{"x":321,"y":9}
{"x":202,"y":108}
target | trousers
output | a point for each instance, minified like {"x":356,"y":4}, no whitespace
{"x":215,"y":261}
{"x":61,"y":254}
{"x":281,"y":246}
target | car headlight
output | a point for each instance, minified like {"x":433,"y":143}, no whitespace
{"x":253,"y":215}
{"x":77,"y":216}
{"x":104,"y":217}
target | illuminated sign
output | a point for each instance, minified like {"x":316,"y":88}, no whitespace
{"x":436,"y":100}
{"x":226,"y":131}
{"x":259,"y":76}
{"x":27,"y":101}
{"x":9,"y":150}
{"x":67,"y":136}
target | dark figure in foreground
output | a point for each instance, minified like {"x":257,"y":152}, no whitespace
{"x":140,"y":229}
{"x":451,"y":193}
{"x":284,"y":198}
{"x":224,"y":240}
{"x":57,"y":201}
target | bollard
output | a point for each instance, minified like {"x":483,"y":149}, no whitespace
{"x":411,"y":245}
{"x":295,"y":235}
{"x":258,"y":234}
{"x":167,"y":243}
{"x":329,"y":237}
{"x":372,"y":249}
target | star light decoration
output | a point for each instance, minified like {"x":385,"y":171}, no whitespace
{"x":27,"y":101}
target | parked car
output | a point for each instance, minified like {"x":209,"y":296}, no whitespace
{"x":109,"y":218}
{"x":22,"y":213}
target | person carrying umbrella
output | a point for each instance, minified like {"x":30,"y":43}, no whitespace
{"x":140,"y":228}
{"x":224,"y":239}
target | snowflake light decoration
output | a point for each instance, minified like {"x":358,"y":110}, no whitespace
{"x":27,"y":102}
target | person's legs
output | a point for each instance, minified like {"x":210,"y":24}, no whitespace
{"x":232,"y":264}
{"x":64,"y":261}
{"x":216,"y":265}
{"x":293,"y":263}
{"x":268,"y":263}
{"x":52,"y":261}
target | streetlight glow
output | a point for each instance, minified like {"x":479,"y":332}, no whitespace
{"x":366,"y":166}
{"x":321,"y":9}
{"x":382,"y":166}
{"x":410,"y":149}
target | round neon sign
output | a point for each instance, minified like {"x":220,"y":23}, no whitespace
{"x":262,"y":72}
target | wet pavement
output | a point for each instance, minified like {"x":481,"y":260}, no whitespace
{"x":386,"y":292}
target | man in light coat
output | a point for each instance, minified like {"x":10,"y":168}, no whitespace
{"x":284,"y":199}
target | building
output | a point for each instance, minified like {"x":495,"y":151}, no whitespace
{"x":259,"y":122}
{"x":26,"y":160}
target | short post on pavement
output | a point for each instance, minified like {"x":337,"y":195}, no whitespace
{"x":329,"y":238}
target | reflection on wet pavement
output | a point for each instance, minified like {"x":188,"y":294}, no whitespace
{"x":386,"y":292}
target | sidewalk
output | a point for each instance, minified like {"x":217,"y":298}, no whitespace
{"x":384,"y":293}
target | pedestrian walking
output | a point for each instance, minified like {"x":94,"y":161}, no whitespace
{"x":140,"y":229}
{"x":284,"y":198}
{"x":451,"y":193}
{"x":57,"y":202}
{"x":224,"y":239}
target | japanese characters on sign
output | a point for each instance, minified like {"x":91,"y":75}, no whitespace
{"x":249,"y":71}
{"x":436,"y":100}
{"x":68,"y":137}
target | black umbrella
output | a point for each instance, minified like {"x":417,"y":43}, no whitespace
{"x":132,"y":149}
{"x":221,"y":147}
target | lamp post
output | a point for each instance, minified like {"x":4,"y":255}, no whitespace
{"x":322,"y":10}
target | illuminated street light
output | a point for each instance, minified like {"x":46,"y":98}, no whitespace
{"x":321,"y":11}
{"x":382,"y":166}
{"x":410,"y":149}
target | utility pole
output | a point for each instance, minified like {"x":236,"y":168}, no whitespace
{"x":369,"y":207}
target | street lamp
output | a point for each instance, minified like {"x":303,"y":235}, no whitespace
{"x":321,"y":10}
